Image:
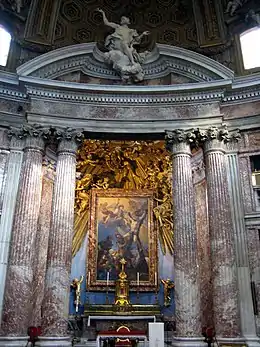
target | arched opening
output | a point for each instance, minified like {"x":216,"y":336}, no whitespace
{"x":250,"y":48}
{"x":5,"y":39}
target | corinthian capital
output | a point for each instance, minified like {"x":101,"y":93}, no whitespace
{"x":34,"y":136}
{"x":179,"y":135}
{"x":27,"y":130}
{"x":178,"y":140}
{"x":69,"y":139}
{"x":214,"y":133}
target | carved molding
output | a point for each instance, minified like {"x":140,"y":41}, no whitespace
{"x":63,"y":60}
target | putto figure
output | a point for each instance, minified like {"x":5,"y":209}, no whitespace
{"x":122,"y":54}
{"x":167,"y":286}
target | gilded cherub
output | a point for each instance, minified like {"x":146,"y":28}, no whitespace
{"x":82,"y":200}
{"x":167,"y":286}
{"x":102,"y":183}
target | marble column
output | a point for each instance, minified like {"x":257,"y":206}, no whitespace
{"x":247,"y":318}
{"x":4,"y":154}
{"x":42,"y":239}
{"x":186,"y":277}
{"x":9,"y":197}
{"x":55,"y":307}
{"x":224,"y":273}
{"x":19,"y":280}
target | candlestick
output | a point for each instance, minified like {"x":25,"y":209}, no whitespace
{"x":107,"y":277}
{"x":155,"y":278}
{"x":138,"y":279}
{"x":107,"y":300}
{"x":88,"y":281}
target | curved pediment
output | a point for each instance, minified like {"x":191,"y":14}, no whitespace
{"x":85,"y":63}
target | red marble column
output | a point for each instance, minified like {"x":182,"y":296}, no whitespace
{"x":186,"y":278}
{"x":55,"y":305}
{"x":42,"y":239}
{"x":19,"y":282}
{"x":224,"y":273}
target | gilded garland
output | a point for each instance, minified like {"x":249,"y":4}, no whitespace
{"x":124,"y":165}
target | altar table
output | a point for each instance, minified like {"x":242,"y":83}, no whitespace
{"x":119,"y":317}
{"x":114,"y":334}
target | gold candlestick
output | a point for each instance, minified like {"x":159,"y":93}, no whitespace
{"x":107,"y":300}
{"x":137,"y":296}
{"x":76,"y":285}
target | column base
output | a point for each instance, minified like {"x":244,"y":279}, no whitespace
{"x":239,"y":341}
{"x":188,"y":342}
{"x":14,"y":341}
{"x":64,"y":341}
{"x":252,"y":341}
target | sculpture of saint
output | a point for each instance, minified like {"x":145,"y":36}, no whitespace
{"x":122,"y":54}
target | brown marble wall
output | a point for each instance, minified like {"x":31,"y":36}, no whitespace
{"x":249,"y":146}
{"x":253,"y":239}
{"x":246,"y":183}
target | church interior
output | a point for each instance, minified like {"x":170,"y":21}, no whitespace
{"x":129,"y":173}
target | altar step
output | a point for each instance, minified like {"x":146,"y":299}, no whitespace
{"x":86,"y":343}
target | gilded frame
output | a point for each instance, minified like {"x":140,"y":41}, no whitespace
{"x":129,"y":198}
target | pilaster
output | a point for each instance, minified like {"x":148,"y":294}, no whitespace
{"x":187,"y":296}
{"x":55,"y":308}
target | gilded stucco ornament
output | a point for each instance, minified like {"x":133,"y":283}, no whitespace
{"x":122,"y":55}
{"x":127,"y":165}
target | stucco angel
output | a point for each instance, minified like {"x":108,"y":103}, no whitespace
{"x":120,"y":45}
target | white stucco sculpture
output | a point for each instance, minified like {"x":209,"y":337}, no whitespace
{"x":122,"y":55}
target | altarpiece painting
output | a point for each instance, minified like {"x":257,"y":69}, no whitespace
{"x":121,"y":226}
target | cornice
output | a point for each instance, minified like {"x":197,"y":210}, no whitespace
{"x":226,"y":90}
{"x":128,"y":95}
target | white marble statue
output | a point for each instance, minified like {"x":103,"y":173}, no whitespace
{"x":122,"y":54}
{"x":254,"y":17}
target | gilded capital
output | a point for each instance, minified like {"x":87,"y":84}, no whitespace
{"x":68,"y":139}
